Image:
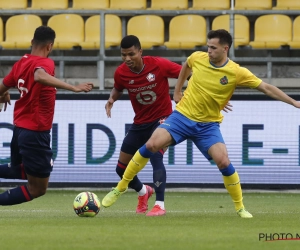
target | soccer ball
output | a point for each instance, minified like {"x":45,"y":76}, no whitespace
{"x":86,"y":204}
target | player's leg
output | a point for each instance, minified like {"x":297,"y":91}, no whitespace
{"x":159,"y":180}
{"x":36,"y":157}
{"x":159,"y":176}
{"x":219,"y":154}
{"x":211,"y":144}
{"x":231,"y":178}
{"x":134,"y":139}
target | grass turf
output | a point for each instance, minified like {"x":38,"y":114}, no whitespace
{"x":193,"y":221}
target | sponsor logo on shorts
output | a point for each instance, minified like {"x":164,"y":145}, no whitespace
{"x":166,"y":124}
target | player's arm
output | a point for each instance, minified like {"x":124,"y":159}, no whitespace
{"x":276,"y":93}
{"x":41,"y":76}
{"x":114,"y":96}
{"x":185,"y":72}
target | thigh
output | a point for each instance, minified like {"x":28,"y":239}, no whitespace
{"x":219,"y":154}
{"x":207,"y":135}
{"x":36,"y":153}
{"x":160,"y":140}
{"x":133,"y":140}
{"x":154,"y":127}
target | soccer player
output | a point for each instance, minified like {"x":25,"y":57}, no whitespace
{"x":31,"y":155}
{"x":146,"y":80}
{"x":197,"y":115}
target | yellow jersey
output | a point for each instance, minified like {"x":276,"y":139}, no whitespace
{"x":211,"y":87}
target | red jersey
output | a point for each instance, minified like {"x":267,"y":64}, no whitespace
{"x":35,"y":108}
{"x":149,"y":89}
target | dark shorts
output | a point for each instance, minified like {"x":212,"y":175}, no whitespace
{"x":138,"y":135}
{"x":32,"y":148}
{"x":203,"y":134}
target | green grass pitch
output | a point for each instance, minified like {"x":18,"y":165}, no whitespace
{"x":194,"y":220}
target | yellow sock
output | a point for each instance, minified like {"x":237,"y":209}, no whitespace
{"x":233,"y":186}
{"x":136,"y":164}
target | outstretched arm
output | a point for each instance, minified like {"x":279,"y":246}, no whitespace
{"x":114,"y":96}
{"x":277,"y":94}
{"x":41,"y":76}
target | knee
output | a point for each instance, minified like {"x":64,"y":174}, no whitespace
{"x":150,"y":145}
{"x":223,"y":162}
{"x":39,"y":193}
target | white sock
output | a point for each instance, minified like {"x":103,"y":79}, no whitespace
{"x":161,"y":204}
{"x":143,"y":191}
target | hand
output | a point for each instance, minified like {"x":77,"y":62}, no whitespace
{"x":84,"y":87}
{"x":227,"y":107}
{"x":4,"y":100}
{"x":108,"y":107}
{"x":296,"y":104}
{"x":177,"y":96}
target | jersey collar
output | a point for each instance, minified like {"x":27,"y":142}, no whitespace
{"x":140,"y":70}
{"x":221,"y":65}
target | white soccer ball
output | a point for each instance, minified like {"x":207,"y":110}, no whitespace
{"x":86,"y":204}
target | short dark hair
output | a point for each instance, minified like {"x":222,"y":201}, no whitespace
{"x":43,"y":35}
{"x":223,"y":35}
{"x":129,"y":41}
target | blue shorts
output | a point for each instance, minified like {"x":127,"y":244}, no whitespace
{"x":32,"y":148}
{"x":203,"y":134}
{"x":138,"y":135}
